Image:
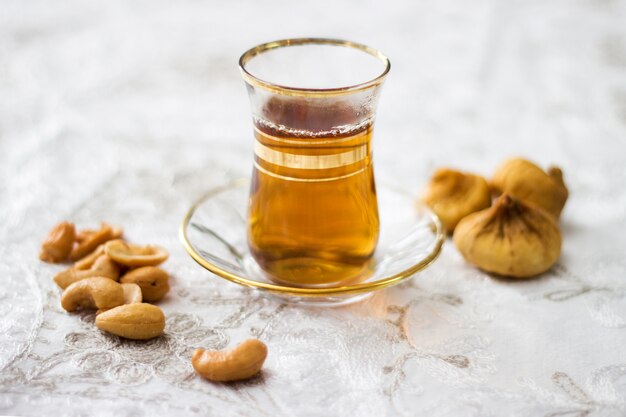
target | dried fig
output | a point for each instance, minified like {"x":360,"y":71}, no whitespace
{"x":453,"y":195}
{"x":511,"y":238}
{"x":524,"y":180}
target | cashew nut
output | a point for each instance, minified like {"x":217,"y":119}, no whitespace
{"x":132,"y":293}
{"x":133,"y":321}
{"x":88,"y":261}
{"x":102,"y":267}
{"x":89,"y":240}
{"x":152,"y":280}
{"x":92,"y":293}
{"x":116,"y":233}
{"x":58,"y":243}
{"x":242,"y":362}
{"x":135,"y":255}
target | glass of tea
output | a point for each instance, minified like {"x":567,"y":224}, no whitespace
{"x":313,"y":214}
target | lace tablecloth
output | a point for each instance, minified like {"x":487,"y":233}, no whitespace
{"x":127,"y":111}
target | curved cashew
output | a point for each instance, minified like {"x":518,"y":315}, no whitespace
{"x":58,"y":243}
{"x":102,"y":267}
{"x":88,"y":261}
{"x":152,"y":280}
{"x":81,"y":236}
{"x":89,"y":240}
{"x":133,"y":321}
{"x":135,"y":255}
{"x":242,"y":362}
{"x":132,"y":293}
{"x":92,"y":293}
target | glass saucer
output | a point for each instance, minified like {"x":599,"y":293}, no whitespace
{"x":214,"y":233}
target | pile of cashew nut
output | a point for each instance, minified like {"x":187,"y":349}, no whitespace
{"x":120,"y":280}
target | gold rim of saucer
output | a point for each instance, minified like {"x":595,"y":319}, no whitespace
{"x":312,"y":92}
{"x":298,"y":291}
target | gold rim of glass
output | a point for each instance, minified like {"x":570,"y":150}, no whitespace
{"x":298,"y":291}
{"x":291,"y":90}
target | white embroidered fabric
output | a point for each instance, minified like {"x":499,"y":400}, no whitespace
{"x":128,"y":111}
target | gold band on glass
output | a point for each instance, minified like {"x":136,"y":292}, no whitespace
{"x":325,"y":179}
{"x":297,"y":161}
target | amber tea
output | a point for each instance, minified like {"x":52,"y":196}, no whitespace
{"x":313,"y":214}
{"x":313,"y":217}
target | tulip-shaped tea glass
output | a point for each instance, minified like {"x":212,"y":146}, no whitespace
{"x":313,"y":214}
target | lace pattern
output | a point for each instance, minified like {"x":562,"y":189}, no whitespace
{"x":109,"y":113}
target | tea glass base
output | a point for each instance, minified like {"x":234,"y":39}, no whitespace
{"x":255,"y":270}
{"x":214,"y":233}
